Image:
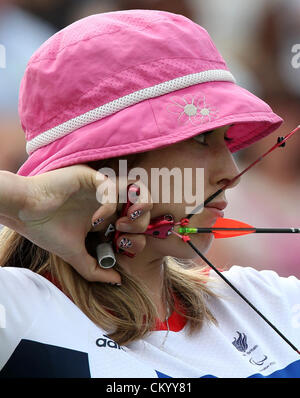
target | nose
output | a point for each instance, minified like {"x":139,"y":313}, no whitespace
{"x":224,"y":169}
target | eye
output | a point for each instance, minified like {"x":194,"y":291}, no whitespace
{"x":228,"y":139}
{"x":201,"y":138}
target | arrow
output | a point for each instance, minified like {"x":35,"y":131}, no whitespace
{"x":228,"y":228}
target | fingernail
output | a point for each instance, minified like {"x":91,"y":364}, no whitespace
{"x":124,"y":227}
{"x":97,"y":222}
{"x":125,"y":243}
{"x":135,"y":214}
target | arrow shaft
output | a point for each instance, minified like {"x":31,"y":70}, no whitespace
{"x":187,"y":230}
{"x":278,"y":230}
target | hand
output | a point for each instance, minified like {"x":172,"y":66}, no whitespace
{"x":57,"y":213}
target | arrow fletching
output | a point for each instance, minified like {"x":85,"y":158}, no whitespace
{"x":244,"y":229}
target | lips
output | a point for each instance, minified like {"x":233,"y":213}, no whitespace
{"x":217,"y":208}
{"x":217,"y":205}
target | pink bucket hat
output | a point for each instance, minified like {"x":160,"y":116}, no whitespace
{"x":131,"y":81}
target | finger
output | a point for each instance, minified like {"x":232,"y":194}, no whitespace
{"x":88,"y":267}
{"x":138,"y":209}
{"x":137,"y":218}
{"x":106,"y":195}
{"x":144,"y":195}
{"x":109,"y":204}
{"x":142,"y":204}
{"x":132,"y":243}
{"x":137,"y":226}
{"x":103,"y":216}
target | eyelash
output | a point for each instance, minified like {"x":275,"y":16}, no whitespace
{"x":199,"y":138}
{"x":204,"y":136}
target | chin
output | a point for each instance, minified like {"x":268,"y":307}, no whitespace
{"x":203,"y":243}
{"x":183,"y":250}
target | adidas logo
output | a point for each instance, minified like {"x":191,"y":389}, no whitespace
{"x":107,"y":342}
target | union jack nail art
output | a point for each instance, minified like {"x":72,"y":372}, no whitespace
{"x":135,"y":214}
{"x":97,"y":222}
{"x":125,"y":243}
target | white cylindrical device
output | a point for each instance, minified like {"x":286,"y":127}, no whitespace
{"x":105,"y":255}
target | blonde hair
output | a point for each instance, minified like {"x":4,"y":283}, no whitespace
{"x":126,"y":313}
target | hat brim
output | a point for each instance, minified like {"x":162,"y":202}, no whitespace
{"x":159,"y":122}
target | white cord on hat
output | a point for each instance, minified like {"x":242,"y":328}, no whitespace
{"x":63,"y":129}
